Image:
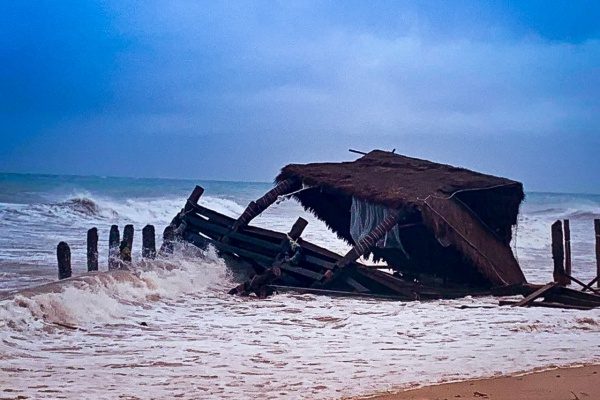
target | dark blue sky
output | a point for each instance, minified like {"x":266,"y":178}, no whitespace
{"x":235,"y":90}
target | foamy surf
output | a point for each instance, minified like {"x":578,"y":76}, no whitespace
{"x":169,"y":330}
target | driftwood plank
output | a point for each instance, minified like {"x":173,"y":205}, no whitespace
{"x":527,"y":300}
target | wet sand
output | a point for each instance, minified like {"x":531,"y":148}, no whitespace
{"x":575,"y":383}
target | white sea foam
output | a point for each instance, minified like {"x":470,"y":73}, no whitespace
{"x":169,"y":330}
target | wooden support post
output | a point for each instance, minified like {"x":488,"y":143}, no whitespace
{"x":149,"y":242}
{"x":128,"y":236}
{"x":558,"y":254}
{"x":196,"y":194}
{"x":567,"y":229}
{"x":168,"y":243}
{"x":63,"y":255}
{"x":597,"y":231}
{"x":92,"y":250}
{"x":255,"y":208}
{"x":360,"y":248}
{"x":297,"y":228}
{"x":114,"y":239}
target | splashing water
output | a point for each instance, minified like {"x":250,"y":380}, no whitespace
{"x":167,"y":329}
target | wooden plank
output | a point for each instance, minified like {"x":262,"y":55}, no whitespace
{"x":451,"y":220}
{"x":301,"y":271}
{"x":356,"y":285}
{"x":195,"y":238}
{"x":390,"y":282}
{"x":219,"y":231}
{"x":527,"y":300}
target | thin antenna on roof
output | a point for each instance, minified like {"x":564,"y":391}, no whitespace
{"x":357,"y":152}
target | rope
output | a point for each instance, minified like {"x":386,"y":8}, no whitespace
{"x":467,"y":190}
{"x":293,"y":243}
{"x":468,"y":242}
{"x":284,"y":197}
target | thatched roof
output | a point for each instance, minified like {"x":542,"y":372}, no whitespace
{"x":414,"y":185}
{"x":393,"y":180}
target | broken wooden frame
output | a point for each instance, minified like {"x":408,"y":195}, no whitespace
{"x":321,"y":271}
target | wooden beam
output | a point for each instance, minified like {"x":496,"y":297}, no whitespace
{"x":558,"y":254}
{"x":585,"y":286}
{"x":527,"y":300}
{"x":590,"y":284}
{"x":567,"y":228}
{"x":597,"y":231}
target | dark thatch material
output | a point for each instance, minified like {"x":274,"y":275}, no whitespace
{"x":414,"y":186}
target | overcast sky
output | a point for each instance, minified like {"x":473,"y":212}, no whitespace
{"x":235,"y":90}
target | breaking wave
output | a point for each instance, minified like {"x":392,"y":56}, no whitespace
{"x":112,"y":297}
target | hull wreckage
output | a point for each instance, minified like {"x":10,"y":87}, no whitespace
{"x":442,"y":231}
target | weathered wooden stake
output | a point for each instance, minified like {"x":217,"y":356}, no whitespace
{"x":114,"y":239}
{"x":128,"y":236}
{"x":63,"y":255}
{"x":149,"y":242}
{"x":92,"y":249}
{"x":168,"y":241}
{"x":567,"y":251}
{"x":558,"y":253}
{"x":124,"y":253}
{"x":597,"y":230}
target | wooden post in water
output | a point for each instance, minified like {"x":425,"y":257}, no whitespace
{"x":92,"y":249}
{"x":114,"y":239}
{"x":63,"y":255}
{"x":558,"y":253}
{"x":168,"y":241}
{"x":597,"y":231}
{"x":567,"y":229}
{"x":149,"y":242}
{"x":128,"y":235}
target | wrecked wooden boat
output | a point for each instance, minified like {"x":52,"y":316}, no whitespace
{"x":440,"y":231}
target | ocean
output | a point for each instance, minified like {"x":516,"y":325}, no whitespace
{"x":169,"y":330}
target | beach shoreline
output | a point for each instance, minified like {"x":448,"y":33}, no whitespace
{"x":575,"y":382}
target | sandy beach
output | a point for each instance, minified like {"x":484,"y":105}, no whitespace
{"x":557,"y":384}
